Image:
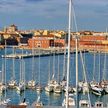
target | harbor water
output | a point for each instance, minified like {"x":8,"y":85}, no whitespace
{"x":53,"y":63}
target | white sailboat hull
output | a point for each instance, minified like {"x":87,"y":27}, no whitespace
{"x":57,"y":89}
{"x":31,"y":84}
{"x":48,"y":88}
{"x":97,"y":91}
{"x":71,"y":102}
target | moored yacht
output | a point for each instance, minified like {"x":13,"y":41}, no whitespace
{"x":31,"y":84}
{"x":63,"y":82}
{"x":49,"y":88}
{"x":2,"y":87}
{"x":93,"y":83}
{"x":70,"y":89}
{"x":97,"y":90}
{"x":24,"y":103}
{"x":104,"y":85}
{"x":39,"y":88}
{"x":98,"y":104}
{"x":38,"y":103}
{"x":57,"y":89}
{"x":12,"y":83}
{"x":4,"y":102}
{"x":20,"y":87}
{"x":85,"y":87}
{"x":84,"y":104}
{"x":52,"y":83}
{"x":71,"y":102}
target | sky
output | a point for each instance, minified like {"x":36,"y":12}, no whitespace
{"x":53,"y":14}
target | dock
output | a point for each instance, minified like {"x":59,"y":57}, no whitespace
{"x":18,"y":56}
{"x":38,"y":53}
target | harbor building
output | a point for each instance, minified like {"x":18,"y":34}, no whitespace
{"x":45,"y":42}
{"x":91,"y":43}
{"x":11,"y":28}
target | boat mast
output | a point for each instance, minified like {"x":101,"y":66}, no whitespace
{"x":104,"y":70}
{"x":68,"y":57}
{"x":39,"y":68}
{"x":64,"y":64}
{"x":5,"y":68}
{"x":94,"y":65}
{"x":2,"y":73}
{"x":22,"y":67}
{"x":33,"y":60}
{"x":77,"y":100}
{"x":58,"y":69}
{"x":99,"y":79}
{"x":105,"y":58}
{"x":13,"y":74}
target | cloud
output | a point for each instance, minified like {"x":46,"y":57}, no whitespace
{"x":11,"y":6}
{"x":52,"y":11}
{"x":91,"y":2}
{"x":43,"y":8}
{"x":34,"y":0}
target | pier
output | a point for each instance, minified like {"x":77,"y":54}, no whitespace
{"x":18,"y":56}
{"x":40,"y":52}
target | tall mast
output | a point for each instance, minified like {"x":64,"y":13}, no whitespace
{"x":33,"y":59}
{"x":5,"y":68}
{"x":13,"y":74}
{"x":94,"y":65}
{"x":99,"y":67}
{"x":68,"y":57}
{"x":77,"y":101}
{"x":58,"y":69}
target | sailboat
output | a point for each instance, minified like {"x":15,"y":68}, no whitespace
{"x":84,"y":84}
{"x":5,"y":100}
{"x":24,"y":102}
{"x":38,"y":103}
{"x":21,"y":86}
{"x":53,"y":85}
{"x":63,"y":82}
{"x":38,"y":86}
{"x":84,"y":104}
{"x":49,"y":88}
{"x":99,"y":104}
{"x":58,"y":88}
{"x":95,"y":86}
{"x":12,"y":83}
{"x":2,"y":85}
{"x":104,"y":82}
{"x":71,"y":102}
{"x":68,"y":101}
{"x":32,"y":83}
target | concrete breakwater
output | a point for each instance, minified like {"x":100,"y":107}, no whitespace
{"x":18,"y":56}
{"x":37,"y":53}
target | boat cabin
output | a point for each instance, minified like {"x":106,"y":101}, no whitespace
{"x":98,"y":104}
{"x":84,"y":103}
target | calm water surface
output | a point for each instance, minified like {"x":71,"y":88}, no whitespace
{"x":56,"y":63}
